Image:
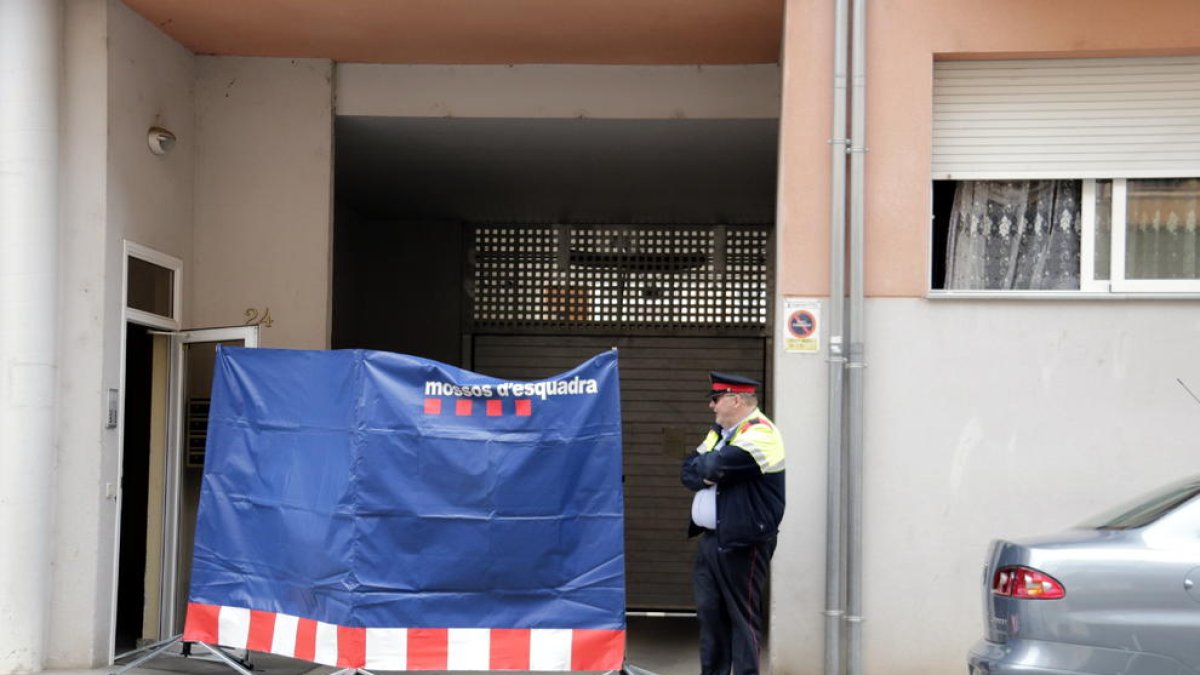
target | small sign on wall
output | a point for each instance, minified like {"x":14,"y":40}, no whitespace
{"x":801,"y":326}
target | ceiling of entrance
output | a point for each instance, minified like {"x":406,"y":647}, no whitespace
{"x":478,"y":31}
{"x":557,"y":170}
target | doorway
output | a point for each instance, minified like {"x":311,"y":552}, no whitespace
{"x":520,"y":247}
{"x":168,"y":375}
{"x":144,"y":437}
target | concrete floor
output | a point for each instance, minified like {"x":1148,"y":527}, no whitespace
{"x":663,"y":645}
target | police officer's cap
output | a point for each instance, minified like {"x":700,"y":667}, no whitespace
{"x":725,"y":383}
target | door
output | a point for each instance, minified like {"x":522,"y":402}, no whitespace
{"x":144,"y":441}
{"x":193,"y":357}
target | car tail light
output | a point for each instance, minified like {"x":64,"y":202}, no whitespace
{"x":1025,"y":582}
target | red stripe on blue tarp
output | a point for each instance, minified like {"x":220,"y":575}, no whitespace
{"x":262,"y":631}
{"x":597,"y":649}
{"x":201,"y":623}
{"x":306,"y":640}
{"x":465,"y":407}
{"x":510,"y":649}
{"x":352,"y":647}
{"x":428,"y":648}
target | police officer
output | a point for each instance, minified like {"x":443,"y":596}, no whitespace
{"x":737,"y":475}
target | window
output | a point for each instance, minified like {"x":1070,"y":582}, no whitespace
{"x":1066,"y":175}
{"x":1099,"y":235}
{"x":152,"y":287}
{"x":1154,"y":235}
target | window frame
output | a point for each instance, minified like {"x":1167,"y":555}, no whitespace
{"x":1120,"y":283}
{"x":1087,"y":242}
{"x":146,"y":254}
{"x":1117,"y":285}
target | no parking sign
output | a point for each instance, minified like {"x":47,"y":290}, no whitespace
{"x":801,"y":326}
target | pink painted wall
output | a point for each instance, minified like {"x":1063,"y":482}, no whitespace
{"x":804,"y":131}
{"x":904,"y":38}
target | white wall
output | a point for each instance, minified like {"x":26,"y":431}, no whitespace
{"x":798,"y":567}
{"x":122,"y":76}
{"x":265,"y":236}
{"x":79,"y":549}
{"x":31,"y":37}
{"x":150,"y":83}
{"x":614,"y":92}
{"x":984,"y":419}
{"x":263,"y":195}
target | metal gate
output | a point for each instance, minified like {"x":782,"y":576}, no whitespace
{"x":677,"y":302}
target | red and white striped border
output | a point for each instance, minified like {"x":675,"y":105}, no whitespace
{"x":406,"y":648}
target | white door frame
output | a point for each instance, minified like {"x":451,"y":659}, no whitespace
{"x":130,"y":315}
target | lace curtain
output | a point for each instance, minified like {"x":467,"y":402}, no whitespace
{"x":1160,"y":234}
{"x":1014,"y":235}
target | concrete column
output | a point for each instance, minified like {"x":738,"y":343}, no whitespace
{"x":30,"y":44}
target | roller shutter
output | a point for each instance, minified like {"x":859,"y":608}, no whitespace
{"x":664,"y":413}
{"x":1077,"y":118}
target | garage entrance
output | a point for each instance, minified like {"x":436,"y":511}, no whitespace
{"x":519,"y":248}
{"x":677,"y":302}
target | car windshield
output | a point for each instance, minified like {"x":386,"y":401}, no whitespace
{"x":1147,"y":509}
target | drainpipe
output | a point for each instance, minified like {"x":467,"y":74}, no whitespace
{"x":856,"y":364}
{"x":30,"y":32}
{"x":834,"y":524}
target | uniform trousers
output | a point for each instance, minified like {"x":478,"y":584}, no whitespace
{"x":729,"y":604}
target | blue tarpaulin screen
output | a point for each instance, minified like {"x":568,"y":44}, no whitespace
{"x":358,"y":493}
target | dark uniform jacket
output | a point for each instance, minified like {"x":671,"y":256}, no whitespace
{"x":748,"y":471}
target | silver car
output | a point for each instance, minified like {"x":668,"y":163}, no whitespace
{"x":1119,"y":595}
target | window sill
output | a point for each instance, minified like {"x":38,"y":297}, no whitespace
{"x":1057,"y":295}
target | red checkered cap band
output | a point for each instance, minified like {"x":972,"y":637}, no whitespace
{"x":734,"y":388}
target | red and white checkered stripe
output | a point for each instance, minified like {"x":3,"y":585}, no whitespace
{"x":466,"y":407}
{"x":406,"y":648}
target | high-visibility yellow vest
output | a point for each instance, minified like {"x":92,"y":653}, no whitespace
{"x":756,"y":435}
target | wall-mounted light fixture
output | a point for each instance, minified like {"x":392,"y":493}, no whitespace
{"x":160,"y":140}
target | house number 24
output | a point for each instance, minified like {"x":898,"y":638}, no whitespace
{"x":255,"y":318}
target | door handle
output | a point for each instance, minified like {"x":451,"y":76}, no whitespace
{"x":1188,"y":583}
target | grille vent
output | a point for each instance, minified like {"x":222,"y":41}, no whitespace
{"x":694,"y":280}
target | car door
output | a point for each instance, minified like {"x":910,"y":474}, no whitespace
{"x":1167,"y":585}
